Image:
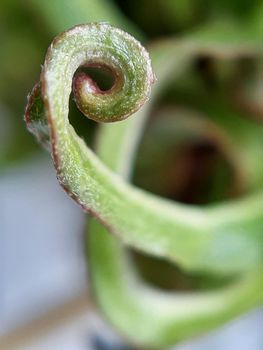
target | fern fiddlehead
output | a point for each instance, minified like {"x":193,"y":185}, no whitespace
{"x":138,"y":218}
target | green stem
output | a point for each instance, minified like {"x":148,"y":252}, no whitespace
{"x":135,"y":216}
{"x":213,"y":238}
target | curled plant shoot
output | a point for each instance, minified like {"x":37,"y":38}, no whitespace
{"x":140,"y":219}
{"x":211,"y":239}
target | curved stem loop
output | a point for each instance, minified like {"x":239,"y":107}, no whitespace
{"x":142,"y":220}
